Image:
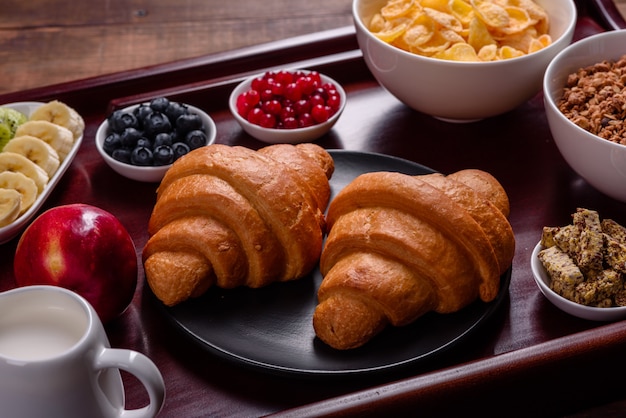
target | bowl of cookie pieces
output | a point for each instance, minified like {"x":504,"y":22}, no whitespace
{"x":580,"y":267}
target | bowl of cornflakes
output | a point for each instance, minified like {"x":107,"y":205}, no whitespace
{"x":462,"y":60}
{"x":589,"y":124}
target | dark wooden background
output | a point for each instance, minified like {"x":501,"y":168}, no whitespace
{"x":45,"y":42}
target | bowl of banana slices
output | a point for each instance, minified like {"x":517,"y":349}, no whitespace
{"x":38,"y":141}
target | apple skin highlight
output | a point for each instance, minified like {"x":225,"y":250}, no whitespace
{"x":84,"y":249}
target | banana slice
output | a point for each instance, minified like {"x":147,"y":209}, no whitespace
{"x":37,"y":151}
{"x":10,"y":161}
{"x":57,"y":136}
{"x":61,"y":114}
{"x":10,"y":202}
{"x":25,"y":186}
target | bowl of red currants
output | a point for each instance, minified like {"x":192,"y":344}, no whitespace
{"x":287,"y":107}
{"x":142,"y":141}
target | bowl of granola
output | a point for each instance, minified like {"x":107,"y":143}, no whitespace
{"x":585,"y":102}
{"x":580,"y":267}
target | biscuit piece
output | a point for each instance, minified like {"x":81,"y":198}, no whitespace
{"x":615,"y":255}
{"x":567,"y":239}
{"x":615,"y":230}
{"x":600,"y":291}
{"x":564,"y":272}
{"x":590,"y":241}
{"x":547,"y":236}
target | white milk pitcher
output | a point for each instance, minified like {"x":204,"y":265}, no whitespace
{"x":56,"y":361}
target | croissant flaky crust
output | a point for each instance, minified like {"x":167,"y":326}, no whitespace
{"x":400,"y":246}
{"x":230,"y":216}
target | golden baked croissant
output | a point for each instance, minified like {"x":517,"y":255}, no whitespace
{"x":400,"y":246}
{"x":231,"y":216}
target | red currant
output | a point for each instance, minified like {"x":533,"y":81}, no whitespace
{"x":284,"y":77}
{"x":319,"y":113}
{"x":290,"y":123}
{"x":272,"y":107}
{"x":255,"y":115}
{"x":277,"y":88}
{"x":317,"y":100}
{"x":287,"y":112}
{"x":334,"y":101}
{"x":267,"y":120}
{"x":266,"y":95}
{"x":302,"y":106}
{"x":259,"y":84}
{"x":293,"y":92}
{"x":242,"y":106}
{"x":305,"y":120}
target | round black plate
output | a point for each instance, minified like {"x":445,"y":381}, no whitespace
{"x":271,"y":328}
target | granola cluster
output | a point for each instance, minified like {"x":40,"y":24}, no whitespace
{"x":586,"y":260}
{"x":595,"y":99}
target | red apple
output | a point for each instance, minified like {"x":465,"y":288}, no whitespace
{"x":82,"y":248}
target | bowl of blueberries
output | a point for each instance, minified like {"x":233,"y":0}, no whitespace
{"x":142,"y":141}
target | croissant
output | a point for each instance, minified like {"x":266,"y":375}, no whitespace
{"x":230,"y":216}
{"x":400,"y":246}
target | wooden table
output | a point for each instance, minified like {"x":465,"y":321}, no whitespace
{"x":504,"y":369}
{"x":45,"y":42}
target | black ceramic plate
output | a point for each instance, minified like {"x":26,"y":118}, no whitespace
{"x":271,"y":328}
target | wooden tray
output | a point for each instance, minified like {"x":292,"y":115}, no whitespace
{"x":529,"y":358}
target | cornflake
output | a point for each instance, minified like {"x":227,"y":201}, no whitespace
{"x":463,"y":30}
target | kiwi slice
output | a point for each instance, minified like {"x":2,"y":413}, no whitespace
{"x":5,"y":136}
{"x":10,"y":119}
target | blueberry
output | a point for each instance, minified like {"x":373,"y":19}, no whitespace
{"x":145,"y":143}
{"x":180,"y":149}
{"x":130,"y":136}
{"x":175,"y":109}
{"x":122,"y":155}
{"x":141,"y":112}
{"x":196,"y":139}
{"x":159,"y":104}
{"x":141,"y":156}
{"x":164,"y":138}
{"x":176,"y":137}
{"x":120,"y":120}
{"x":111,"y":143}
{"x":156,"y":123}
{"x":163,"y":155}
{"x":188,"y":122}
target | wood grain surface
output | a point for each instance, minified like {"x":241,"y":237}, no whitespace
{"x":44,"y":42}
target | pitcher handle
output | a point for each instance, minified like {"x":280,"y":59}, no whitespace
{"x":145,"y":370}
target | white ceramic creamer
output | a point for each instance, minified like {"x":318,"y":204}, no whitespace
{"x":56,"y":361}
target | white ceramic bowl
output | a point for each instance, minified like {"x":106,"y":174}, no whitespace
{"x":600,"y":162}
{"x":461,"y":91}
{"x":148,"y":174}
{"x":581,"y":311}
{"x":285,"y":136}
